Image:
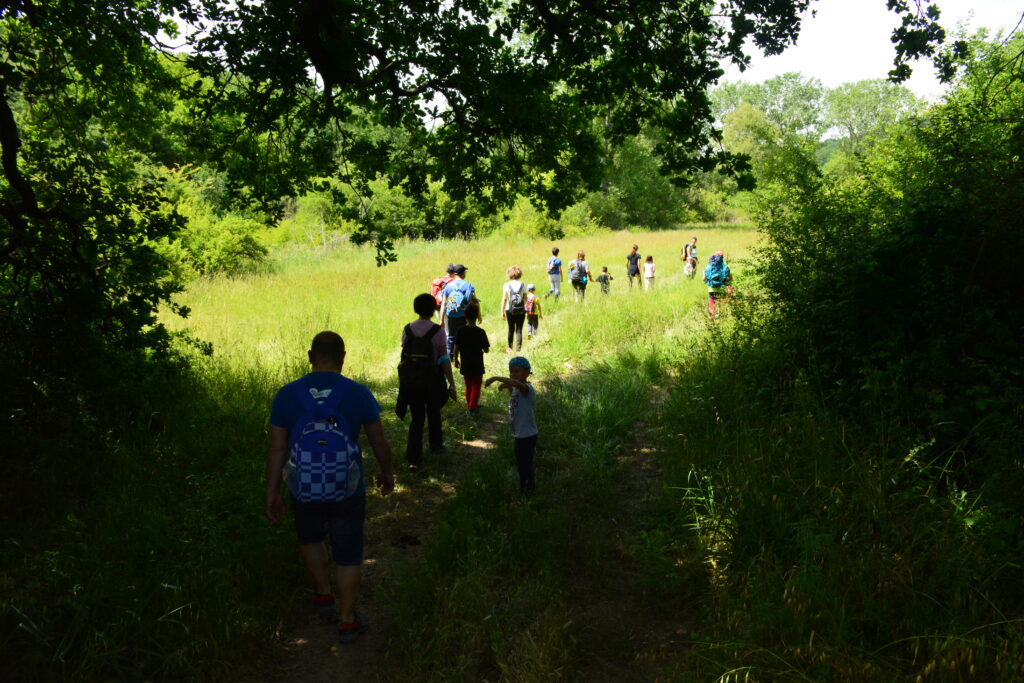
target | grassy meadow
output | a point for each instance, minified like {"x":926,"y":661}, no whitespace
{"x":700,"y":514}
{"x":595,"y":364}
{"x":267,"y":320}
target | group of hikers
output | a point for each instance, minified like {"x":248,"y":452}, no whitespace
{"x":717,"y":274}
{"x":315,"y":421}
{"x":314,"y":442}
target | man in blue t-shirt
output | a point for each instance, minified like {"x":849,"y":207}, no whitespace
{"x":343,"y":520}
{"x":457,"y":295}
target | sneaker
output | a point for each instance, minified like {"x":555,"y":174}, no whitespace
{"x":326,"y":607}
{"x":349,"y":632}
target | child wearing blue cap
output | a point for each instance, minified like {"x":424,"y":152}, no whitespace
{"x":521,"y":421}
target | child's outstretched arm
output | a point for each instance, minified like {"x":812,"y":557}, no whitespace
{"x":507,"y":383}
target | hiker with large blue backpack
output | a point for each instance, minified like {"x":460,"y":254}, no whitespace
{"x":425,"y":381}
{"x":719,"y":280}
{"x":314,"y":449}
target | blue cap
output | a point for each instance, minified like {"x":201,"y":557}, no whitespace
{"x":519,"y":362}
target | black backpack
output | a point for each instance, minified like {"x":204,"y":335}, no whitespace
{"x":418,"y":369}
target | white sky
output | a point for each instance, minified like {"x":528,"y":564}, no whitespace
{"x":849,"y":40}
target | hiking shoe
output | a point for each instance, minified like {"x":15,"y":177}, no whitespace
{"x":326,"y":608}
{"x":350,"y":631}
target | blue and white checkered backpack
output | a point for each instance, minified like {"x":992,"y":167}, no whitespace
{"x":324,"y":462}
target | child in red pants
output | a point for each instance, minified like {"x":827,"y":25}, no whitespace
{"x":468,"y":356}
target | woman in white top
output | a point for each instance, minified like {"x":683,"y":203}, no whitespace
{"x":648,"y":273}
{"x":513,"y":306}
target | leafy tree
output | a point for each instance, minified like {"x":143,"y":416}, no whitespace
{"x":494,"y":100}
{"x":791,"y":101}
{"x":900,"y":276}
{"x":865,"y":108}
{"x":79,"y":211}
{"x":638,"y":194}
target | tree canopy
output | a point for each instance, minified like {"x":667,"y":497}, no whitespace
{"x":487,"y":98}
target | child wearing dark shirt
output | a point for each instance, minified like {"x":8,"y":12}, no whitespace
{"x":471,"y":344}
{"x":605,"y":279}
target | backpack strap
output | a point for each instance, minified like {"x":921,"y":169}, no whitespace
{"x":309,"y":404}
{"x":429,"y":335}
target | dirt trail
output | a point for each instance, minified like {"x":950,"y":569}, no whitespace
{"x":641,"y":638}
{"x":308,"y":649}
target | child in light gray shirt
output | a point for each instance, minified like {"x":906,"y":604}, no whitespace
{"x":521,"y":420}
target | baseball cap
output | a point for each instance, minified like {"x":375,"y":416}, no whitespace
{"x":529,"y":287}
{"x":519,"y":362}
{"x":460,"y":269}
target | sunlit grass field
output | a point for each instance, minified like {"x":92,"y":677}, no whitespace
{"x":266,"y":321}
{"x":595,"y":363}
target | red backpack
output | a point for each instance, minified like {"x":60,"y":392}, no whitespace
{"x":437,"y":288}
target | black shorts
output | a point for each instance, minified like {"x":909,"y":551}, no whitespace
{"x":343,"y":520}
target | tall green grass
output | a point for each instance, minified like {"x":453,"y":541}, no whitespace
{"x":784,"y":540}
{"x":832,"y":550}
{"x":168,"y":570}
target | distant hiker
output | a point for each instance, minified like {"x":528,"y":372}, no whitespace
{"x":554,"y":269}
{"x":521,"y":401}
{"x":437,"y":289}
{"x":314,"y":446}
{"x":425,"y":381}
{"x":633,"y":266}
{"x":457,"y":295}
{"x":471,"y":344}
{"x":513,"y":305}
{"x":690,"y":258}
{"x":605,"y":279}
{"x":533,"y":312}
{"x":718,"y":279}
{"x":579,"y":275}
{"x":649,"y":273}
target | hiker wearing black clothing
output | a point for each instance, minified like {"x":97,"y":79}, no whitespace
{"x":425,"y":380}
{"x":513,"y":306}
{"x":633,"y":266}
